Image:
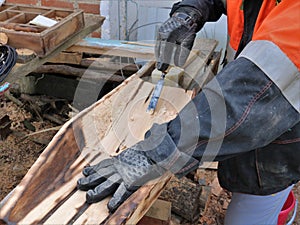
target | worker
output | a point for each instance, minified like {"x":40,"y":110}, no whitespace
{"x":247,"y":117}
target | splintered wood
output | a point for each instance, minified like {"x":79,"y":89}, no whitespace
{"x":48,"y":193}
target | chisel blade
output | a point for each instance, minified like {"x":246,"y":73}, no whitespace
{"x":156,"y":93}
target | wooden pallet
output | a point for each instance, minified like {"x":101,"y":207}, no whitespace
{"x":15,"y":22}
{"x":48,"y":193}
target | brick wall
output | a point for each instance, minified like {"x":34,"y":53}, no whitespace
{"x":88,"y":6}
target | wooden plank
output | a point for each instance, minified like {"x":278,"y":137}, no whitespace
{"x":139,"y":202}
{"x":69,"y":209}
{"x":48,"y":166}
{"x":62,"y":198}
{"x":94,"y":214}
{"x":209,"y":165}
{"x":139,"y":43}
{"x":197,"y":71}
{"x":112,"y":47}
{"x":67,"y":57}
{"x":158,"y":214}
{"x":54,"y":36}
{"x":151,"y":221}
{"x":160,"y":210}
{"x":79,"y":72}
{"x":100,"y":63}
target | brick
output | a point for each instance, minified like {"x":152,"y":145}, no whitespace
{"x":58,"y":4}
{"x":28,"y":2}
{"x":89,"y":8}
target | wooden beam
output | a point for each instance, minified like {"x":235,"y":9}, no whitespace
{"x":79,"y":72}
{"x":197,"y":71}
{"x":113,"y":47}
{"x":67,"y":57}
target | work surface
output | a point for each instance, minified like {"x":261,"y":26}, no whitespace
{"x":48,"y":193}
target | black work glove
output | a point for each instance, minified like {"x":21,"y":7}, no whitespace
{"x":121,"y":175}
{"x":177,"y":34}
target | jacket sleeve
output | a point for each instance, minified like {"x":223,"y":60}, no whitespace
{"x":253,"y":100}
{"x":211,"y":10}
{"x":240,"y":110}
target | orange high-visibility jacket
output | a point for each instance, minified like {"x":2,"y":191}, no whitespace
{"x":275,"y":44}
{"x":276,"y":22}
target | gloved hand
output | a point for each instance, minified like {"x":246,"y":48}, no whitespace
{"x":177,"y":34}
{"x":120,"y":176}
{"x":123,"y":174}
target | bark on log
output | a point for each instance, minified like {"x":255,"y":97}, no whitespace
{"x":184,"y":196}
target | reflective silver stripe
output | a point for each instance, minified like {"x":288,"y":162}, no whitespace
{"x":277,"y":66}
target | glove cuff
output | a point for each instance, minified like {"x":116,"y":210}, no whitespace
{"x":166,"y":154}
{"x":190,"y":15}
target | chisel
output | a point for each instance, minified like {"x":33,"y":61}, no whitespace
{"x":156,"y":94}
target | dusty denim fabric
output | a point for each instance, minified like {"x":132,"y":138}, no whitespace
{"x":259,"y":150}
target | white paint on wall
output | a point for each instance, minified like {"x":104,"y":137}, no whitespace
{"x":216,"y":30}
{"x":105,"y":11}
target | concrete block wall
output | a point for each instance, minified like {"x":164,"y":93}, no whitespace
{"x":88,"y":6}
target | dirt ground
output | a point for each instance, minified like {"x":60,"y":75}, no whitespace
{"x":19,"y":151}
